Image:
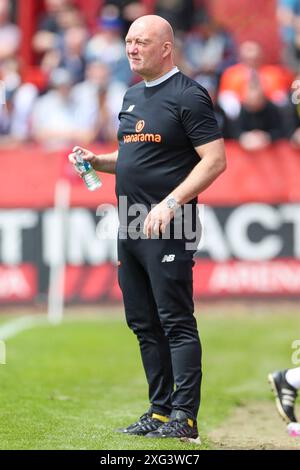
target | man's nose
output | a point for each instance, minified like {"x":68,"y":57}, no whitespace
{"x":132,"y":49}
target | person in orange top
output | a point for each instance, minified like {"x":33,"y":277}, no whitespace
{"x":275,"y":80}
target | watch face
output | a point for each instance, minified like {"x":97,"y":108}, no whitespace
{"x":171,"y":203}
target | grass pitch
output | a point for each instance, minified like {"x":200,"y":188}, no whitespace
{"x":71,"y":386}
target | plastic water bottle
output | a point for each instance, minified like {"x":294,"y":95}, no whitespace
{"x":87,"y":172}
{"x":294,"y":429}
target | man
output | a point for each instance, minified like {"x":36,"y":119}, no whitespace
{"x":285,"y":385}
{"x":170,"y":150}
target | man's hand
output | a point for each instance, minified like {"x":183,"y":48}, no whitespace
{"x":86,"y":155}
{"x":158,"y":219}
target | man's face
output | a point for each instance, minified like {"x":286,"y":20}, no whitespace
{"x":144,"y":52}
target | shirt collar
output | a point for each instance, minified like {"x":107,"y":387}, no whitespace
{"x":163,"y":78}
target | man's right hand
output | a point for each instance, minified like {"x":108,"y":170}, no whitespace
{"x":86,"y":155}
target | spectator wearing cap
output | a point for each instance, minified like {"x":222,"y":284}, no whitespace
{"x":57,"y":121}
{"x":107,"y":45}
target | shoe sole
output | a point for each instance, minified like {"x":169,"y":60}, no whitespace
{"x":191,"y":440}
{"x":187,"y":440}
{"x":128,"y":433}
{"x":280,"y":410}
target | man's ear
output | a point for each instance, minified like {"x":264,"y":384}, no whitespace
{"x":167,"y":48}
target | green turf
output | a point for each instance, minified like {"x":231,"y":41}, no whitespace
{"x":69,"y":387}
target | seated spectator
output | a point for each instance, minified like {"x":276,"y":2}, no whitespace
{"x":259,"y":121}
{"x":10,"y":35}
{"x":107,"y":45}
{"x":50,"y":61}
{"x":208,"y":49}
{"x":70,"y":16}
{"x":19,"y":99}
{"x":275,"y":79}
{"x":57,"y":119}
{"x":68,"y":53}
{"x":52,"y":29}
{"x":49,"y":21}
{"x":100,"y":99}
{"x":288,"y":14}
{"x":72,"y":52}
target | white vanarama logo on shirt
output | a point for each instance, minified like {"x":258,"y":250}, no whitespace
{"x":139,"y":137}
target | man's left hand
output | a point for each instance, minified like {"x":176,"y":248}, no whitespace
{"x":158,"y":219}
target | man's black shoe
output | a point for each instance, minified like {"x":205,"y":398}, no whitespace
{"x":147,"y":423}
{"x":179,"y":426}
{"x":285,"y":395}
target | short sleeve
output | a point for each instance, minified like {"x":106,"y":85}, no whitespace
{"x":198,"y":116}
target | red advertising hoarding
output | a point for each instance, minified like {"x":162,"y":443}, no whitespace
{"x":251,"y":243}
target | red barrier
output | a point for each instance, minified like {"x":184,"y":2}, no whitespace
{"x":211,"y":280}
{"x":28,"y":177}
{"x":271,"y":176}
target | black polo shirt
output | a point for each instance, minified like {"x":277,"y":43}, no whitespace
{"x":159,"y":127}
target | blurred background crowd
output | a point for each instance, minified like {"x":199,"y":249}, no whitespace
{"x":74,"y":91}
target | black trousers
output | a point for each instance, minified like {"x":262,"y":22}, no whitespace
{"x":155,"y":276}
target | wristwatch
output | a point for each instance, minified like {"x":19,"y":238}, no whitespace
{"x":172,"y":203}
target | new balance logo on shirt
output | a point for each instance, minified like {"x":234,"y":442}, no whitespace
{"x":168,"y":259}
{"x":130,"y":108}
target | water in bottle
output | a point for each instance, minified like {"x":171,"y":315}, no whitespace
{"x":87,"y":172}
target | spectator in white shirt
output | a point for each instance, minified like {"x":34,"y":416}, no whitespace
{"x":100,"y":100}
{"x":57,"y":120}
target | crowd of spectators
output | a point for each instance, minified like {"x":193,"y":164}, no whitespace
{"x":83,"y":74}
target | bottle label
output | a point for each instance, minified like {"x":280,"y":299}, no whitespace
{"x":83,"y":165}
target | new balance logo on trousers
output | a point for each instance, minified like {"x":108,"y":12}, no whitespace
{"x":168,"y":259}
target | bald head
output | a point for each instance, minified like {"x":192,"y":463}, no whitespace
{"x":154,"y":25}
{"x":149,"y":46}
